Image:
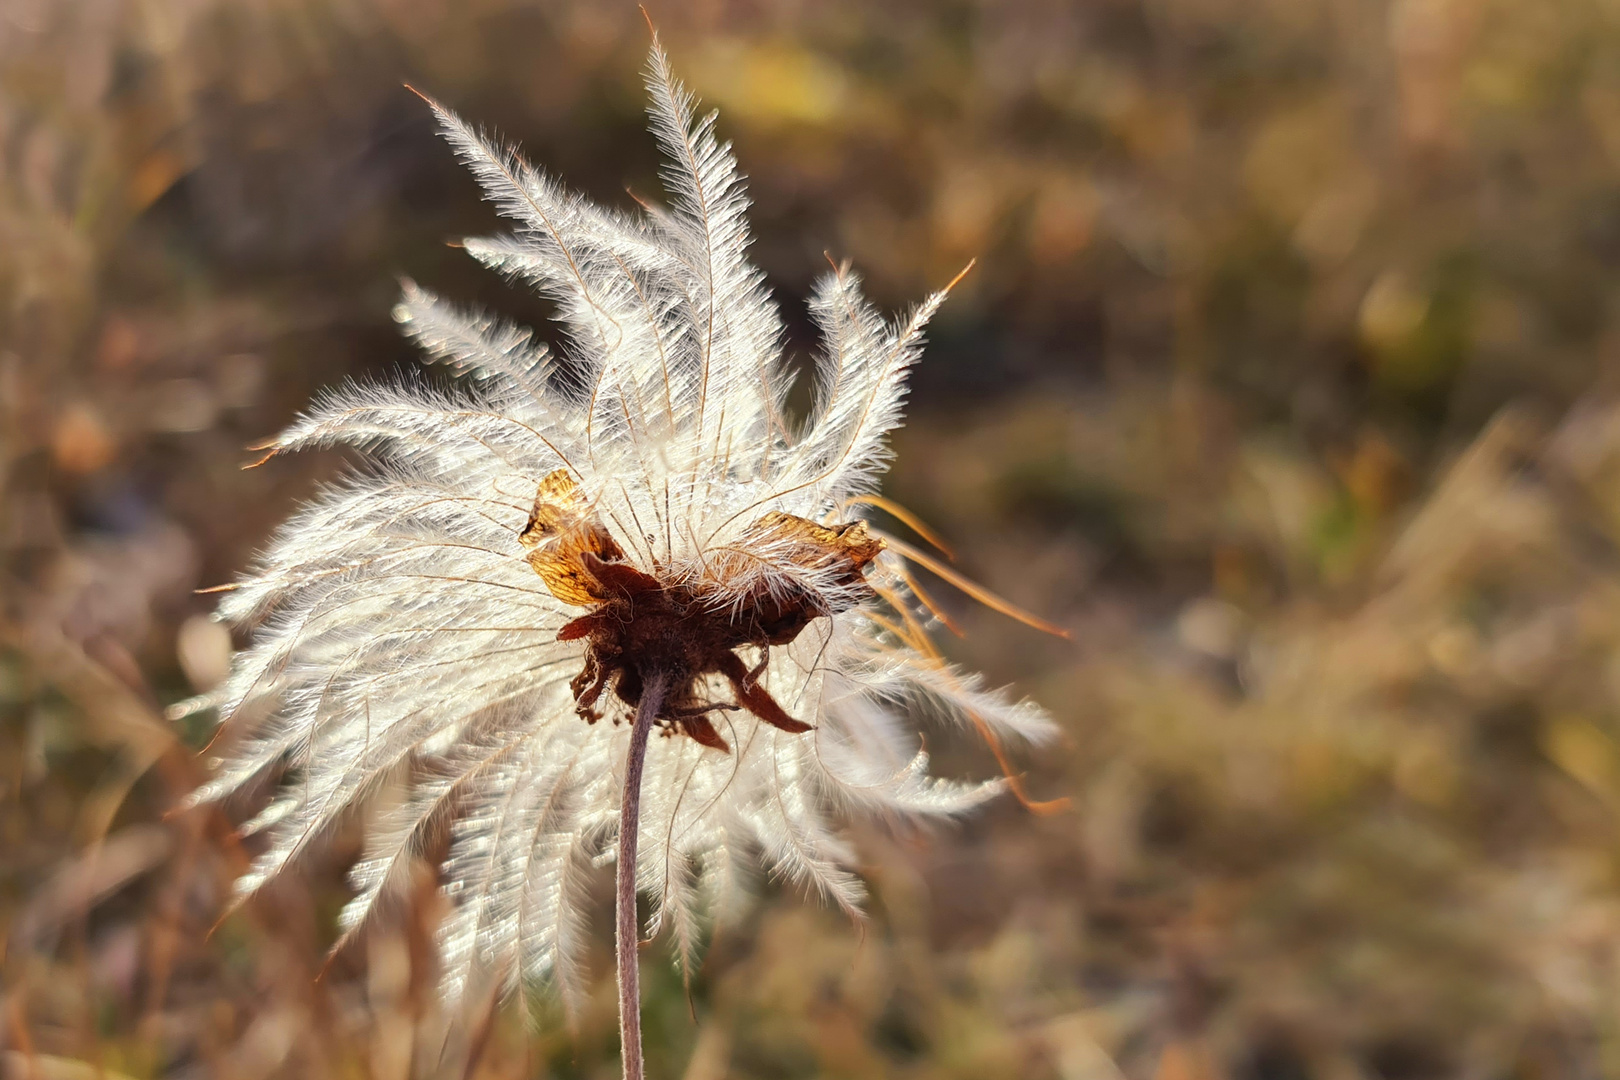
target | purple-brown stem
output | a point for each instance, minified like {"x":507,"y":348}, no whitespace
{"x":654,"y":687}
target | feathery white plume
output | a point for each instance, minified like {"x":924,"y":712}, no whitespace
{"x":462,"y":614}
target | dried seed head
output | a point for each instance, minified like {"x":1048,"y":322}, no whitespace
{"x":686,"y":629}
{"x":528,"y":549}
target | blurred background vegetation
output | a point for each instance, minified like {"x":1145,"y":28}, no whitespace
{"x":1287,"y":378}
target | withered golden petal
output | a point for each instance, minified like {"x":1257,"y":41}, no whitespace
{"x":556,"y":504}
{"x":818,"y":544}
{"x":559,"y":533}
{"x":565,"y":576}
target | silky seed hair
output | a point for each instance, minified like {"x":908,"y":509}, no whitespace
{"x":405,"y":623}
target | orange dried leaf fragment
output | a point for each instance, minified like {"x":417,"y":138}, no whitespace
{"x":811,"y":546}
{"x":560,"y":532}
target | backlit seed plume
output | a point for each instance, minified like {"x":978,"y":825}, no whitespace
{"x":473,"y":616}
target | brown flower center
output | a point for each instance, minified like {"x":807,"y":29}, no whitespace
{"x":639,"y":624}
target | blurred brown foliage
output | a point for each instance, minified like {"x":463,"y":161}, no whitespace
{"x":1286,"y":379}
